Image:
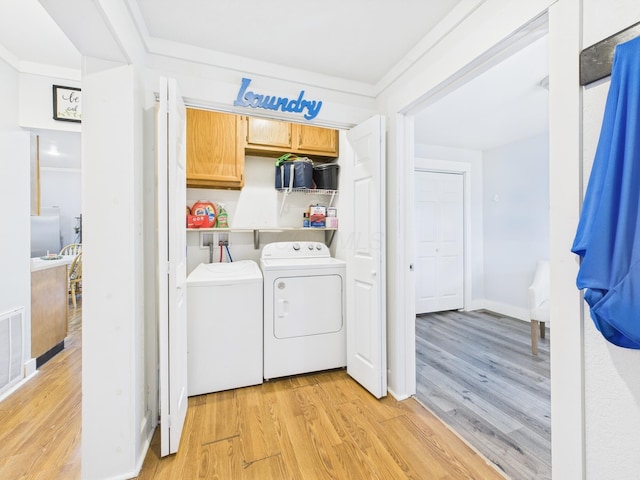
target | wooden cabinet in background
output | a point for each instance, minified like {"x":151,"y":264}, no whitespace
{"x":215,"y":149}
{"x":49,"y":303}
{"x":274,"y":138}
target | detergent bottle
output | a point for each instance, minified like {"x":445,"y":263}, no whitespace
{"x":223,"y":218}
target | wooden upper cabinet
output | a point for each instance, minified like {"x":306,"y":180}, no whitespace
{"x":266,"y":134}
{"x":317,"y":140}
{"x":275,"y":137}
{"x":215,"y":149}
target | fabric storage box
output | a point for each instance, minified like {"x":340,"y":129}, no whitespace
{"x":325,"y":176}
{"x":296,"y":174}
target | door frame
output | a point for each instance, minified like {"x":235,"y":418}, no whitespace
{"x":567,"y":362}
{"x":405,"y":125}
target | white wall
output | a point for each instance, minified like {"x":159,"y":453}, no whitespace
{"x":612,"y":379}
{"x":115,"y":424}
{"x":15,"y":267}
{"x":36,"y":102}
{"x":516,"y":222}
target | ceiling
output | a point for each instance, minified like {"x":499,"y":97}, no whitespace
{"x":367,"y":42}
{"x":507,"y":103}
{"x":359,"y":40}
{"x":29,"y":36}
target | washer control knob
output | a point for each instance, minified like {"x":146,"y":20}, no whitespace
{"x":296,"y":246}
{"x":310,"y":246}
{"x":318,"y":247}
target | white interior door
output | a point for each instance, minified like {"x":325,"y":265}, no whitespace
{"x":440,"y":241}
{"x":172,"y":265}
{"x":366,"y":305}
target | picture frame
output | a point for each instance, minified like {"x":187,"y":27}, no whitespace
{"x":67,"y":104}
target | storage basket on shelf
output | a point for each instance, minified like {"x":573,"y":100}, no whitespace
{"x":325,"y":176}
{"x":294,"y":172}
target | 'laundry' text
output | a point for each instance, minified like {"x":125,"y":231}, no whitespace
{"x":271,"y":102}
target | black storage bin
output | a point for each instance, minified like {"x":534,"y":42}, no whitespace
{"x":326,"y":176}
{"x":302,"y":174}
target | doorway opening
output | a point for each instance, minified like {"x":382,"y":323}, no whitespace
{"x":496,"y":124}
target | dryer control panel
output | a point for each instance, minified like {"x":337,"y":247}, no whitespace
{"x":295,"y":250}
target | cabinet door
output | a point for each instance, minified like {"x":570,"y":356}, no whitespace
{"x":316,"y":140}
{"x":215,"y":153}
{"x":49,"y":303}
{"x":266,"y":135}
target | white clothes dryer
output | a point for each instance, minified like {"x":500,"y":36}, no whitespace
{"x":304,"y":309}
{"x":224,"y":326}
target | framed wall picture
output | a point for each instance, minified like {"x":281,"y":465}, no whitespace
{"x":67,"y":104}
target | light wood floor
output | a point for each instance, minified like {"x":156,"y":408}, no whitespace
{"x":318,"y":426}
{"x":40,"y":423}
{"x":476,"y":372}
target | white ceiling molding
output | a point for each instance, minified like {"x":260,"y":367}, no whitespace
{"x":49,"y":70}
{"x":9,"y":57}
{"x":248,"y":66}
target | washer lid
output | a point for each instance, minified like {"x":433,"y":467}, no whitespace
{"x":242,"y":271}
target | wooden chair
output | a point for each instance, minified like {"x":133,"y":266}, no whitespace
{"x":71,"y":249}
{"x":539,"y":303}
{"x":75,"y":277}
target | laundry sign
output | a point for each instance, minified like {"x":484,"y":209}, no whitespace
{"x":247,"y":98}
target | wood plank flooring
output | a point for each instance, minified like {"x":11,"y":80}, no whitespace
{"x":475,"y":371}
{"x":40,"y":423}
{"x":316,"y":426}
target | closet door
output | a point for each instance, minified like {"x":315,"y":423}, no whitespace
{"x":440,"y":241}
{"x":172,"y":265}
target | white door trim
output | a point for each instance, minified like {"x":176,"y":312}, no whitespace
{"x":405,"y":153}
{"x":567,"y":376}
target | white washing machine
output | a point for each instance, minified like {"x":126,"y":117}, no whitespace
{"x":224,"y":326}
{"x":304,"y":309}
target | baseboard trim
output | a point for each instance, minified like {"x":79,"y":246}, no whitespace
{"x":30,"y":368}
{"x":48,"y":355}
{"x":145,"y":446}
{"x":15,"y":387}
{"x":397,"y":397}
{"x":505,"y":309}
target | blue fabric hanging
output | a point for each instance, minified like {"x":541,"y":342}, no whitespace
{"x":608,"y":234}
